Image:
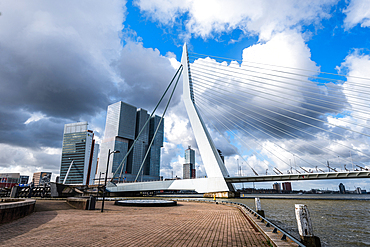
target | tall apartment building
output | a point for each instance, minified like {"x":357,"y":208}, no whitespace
{"x":342,"y":189}
{"x":276,"y":186}
{"x":123,"y":124}
{"x":78,"y":146}
{"x":188,"y":170}
{"x":287,"y":186}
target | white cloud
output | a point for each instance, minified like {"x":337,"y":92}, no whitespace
{"x":36,"y":116}
{"x":28,"y":161}
{"x":263,"y":18}
{"x":357,"y":12}
{"x":145,"y":74}
{"x":356,"y":90}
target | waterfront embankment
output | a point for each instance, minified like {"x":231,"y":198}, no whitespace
{"x":338,"y":220}
{"x":189,"y":224}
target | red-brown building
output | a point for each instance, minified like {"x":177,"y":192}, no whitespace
{"x":287,"y":186}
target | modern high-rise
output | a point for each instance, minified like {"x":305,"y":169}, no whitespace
{"x":342,"y":189}
{"x":287,"y":186}
{"x":40,"y":178}
{"x":188,"y":170}
{"x":276,"y":186}
{"x":123,"y":124}
{"x":78,"y":147}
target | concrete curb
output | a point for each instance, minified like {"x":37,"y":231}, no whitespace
{"x":12,"y":209}
{"x":14,"y":203}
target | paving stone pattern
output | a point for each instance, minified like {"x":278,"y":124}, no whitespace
{"x":188,"y":224}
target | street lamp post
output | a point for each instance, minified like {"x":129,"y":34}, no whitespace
{"x":106,"y":174}
{"x":97,"y":194}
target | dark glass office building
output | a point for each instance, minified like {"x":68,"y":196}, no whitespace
{"x":79,"y":155}
{"x":123,"y":124}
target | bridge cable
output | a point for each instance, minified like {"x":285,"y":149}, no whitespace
{"x":279,"y":66}
{"x":146,"y":123}
{"x":197,"y":69}
{"x":268,"y":98}
{"x":235,"y":149}
{"x":302,"y":115}
{"x":256,"y":153}
{"x":293,"y":119}
{"x":258,"y":144}
{"x":261,"y":145}
{"x":266,"y":134}
{"x":315,"y":86}
{"x":159,"y":124}
{"x":279,"y":129}
{"x":341,"y":86}
{"x":338,"y":83}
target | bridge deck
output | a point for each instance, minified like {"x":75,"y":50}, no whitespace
{"x":305,"y":176}
{"x":189,"y":224}
{"x":199,"y":183}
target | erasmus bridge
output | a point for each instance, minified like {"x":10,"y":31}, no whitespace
{"x":296,"y":124}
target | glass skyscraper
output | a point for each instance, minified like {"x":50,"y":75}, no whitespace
{"x":124,"y":122}
{"x":189,"y":166}
{"x":78,"y":146}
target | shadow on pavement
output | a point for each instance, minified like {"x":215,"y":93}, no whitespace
{"x":45,"y":211}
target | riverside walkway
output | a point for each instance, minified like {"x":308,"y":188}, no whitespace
{"x":189,"y":224}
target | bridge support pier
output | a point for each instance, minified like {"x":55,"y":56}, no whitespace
{"x":221,"y":194}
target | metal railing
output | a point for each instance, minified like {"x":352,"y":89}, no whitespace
{"x":259,"y":217}
{"x":268,"y":223}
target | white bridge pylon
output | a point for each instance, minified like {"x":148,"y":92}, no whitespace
{"x":212,"y":162}
{"x":215,"y":168}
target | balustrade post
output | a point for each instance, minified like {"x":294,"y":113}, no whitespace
{"x":305,"y":226}
{"x":259,"y":207}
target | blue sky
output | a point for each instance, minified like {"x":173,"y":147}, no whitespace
{"x":64,"y":62}
{"x":328,"y":41}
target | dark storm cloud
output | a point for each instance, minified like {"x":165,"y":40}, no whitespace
{"x":146,"y":75}
{"x":46,"y":132}
{"x":55,"y":63}
{"x":59,"y":82}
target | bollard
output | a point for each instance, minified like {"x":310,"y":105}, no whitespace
{"x":305,"y":226}
{"x":91,"y":203}
{"x":258,"y":207}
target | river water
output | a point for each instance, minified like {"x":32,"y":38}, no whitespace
{"x":338,"y":220}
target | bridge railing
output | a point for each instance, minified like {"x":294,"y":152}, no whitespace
{"x":259,"y":217}
{"x":268,"y":223}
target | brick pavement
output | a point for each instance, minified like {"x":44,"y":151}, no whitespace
{"x":188,"y":224}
